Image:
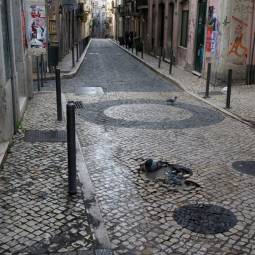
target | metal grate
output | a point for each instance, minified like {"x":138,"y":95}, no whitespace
{"x":52,"y":136}
{"x":205,"y":218}
{"x":78,"y":105}
{"x":90,"y":91}
{"x":245,"y":167}
{"x":103,"y":252}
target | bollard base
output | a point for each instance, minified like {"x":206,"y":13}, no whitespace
{"x":72,"y":193}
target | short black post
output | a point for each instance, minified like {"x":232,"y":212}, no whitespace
{"x":58,"y":94}
{"x":141,"y":49}
{"x":41,"y":70}
{"x":77,"y":52}
{"x":132,"y":45}
{"x":44,"y":71}
{"x":159,"y":57}
{"x":136,"y":48}
{"x":229,"y":88}
{"x":171,"y":61}
{"x":38,"y":73}
{"x":208,"y":80}
{"x":248,"y":74}
{"x":71,"y":148}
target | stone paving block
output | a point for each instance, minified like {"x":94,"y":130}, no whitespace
{"x":35,"y":200}
{"x":113,"y":154}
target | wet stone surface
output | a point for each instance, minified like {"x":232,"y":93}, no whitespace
{"x":138,"y":212}
{"x":37,"y":214}
{"x":205,"y":219}
{"x":127,"y":113}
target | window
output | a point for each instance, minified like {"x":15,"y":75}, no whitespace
{"x":184,"y":28}
{"x":6,"y":47}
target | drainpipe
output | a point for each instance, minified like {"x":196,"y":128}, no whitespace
{"x":13,"y":91}
{"x":252,"y":35}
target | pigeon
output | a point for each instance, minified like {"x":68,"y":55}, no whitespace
{"x":224,"y":90}
{"x":172,"y":100}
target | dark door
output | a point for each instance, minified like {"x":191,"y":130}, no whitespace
{"x":161,"y":22}
{"x":170,"y":26}
{"x":200,"y":35}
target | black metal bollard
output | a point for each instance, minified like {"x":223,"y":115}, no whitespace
{"x":41,"y":70}
{"x":141,"y":49}
{"x":38,"y":73}
{"x":171,"y":61}
{"x":77,"y":52}
{"x":229,"y":89}
{"x":73,"y":57}
{"x":136,"y":48}
{"x":133,"y":46}
{"x":159,"y":58}
{"x":248,"y":74}
{"x":58,"y":94}
{"x":71,"y":148}
{"x":208,"y":80}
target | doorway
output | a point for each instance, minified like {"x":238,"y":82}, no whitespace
{"x":200,"y":35}
{"x":161,"y":25}
{"x":170,"y":26}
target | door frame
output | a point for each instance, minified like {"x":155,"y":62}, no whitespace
{"x":196,"y":35}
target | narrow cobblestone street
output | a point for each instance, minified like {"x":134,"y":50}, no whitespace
{"x":129,"y":121}
{"x":123,"y":119}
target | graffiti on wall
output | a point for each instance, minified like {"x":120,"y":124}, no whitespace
{"x":36,"y":26}
{"x":213,"y":34}
{"x":237,"y":46}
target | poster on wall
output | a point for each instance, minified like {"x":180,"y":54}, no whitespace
{"x":36,"y":27}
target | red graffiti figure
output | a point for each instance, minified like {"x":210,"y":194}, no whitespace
{"x":238,"y":48}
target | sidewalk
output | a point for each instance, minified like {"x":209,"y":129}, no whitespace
{"x":242,"y":98}
{"x":37,"y":214}
{"x":66,"y":65}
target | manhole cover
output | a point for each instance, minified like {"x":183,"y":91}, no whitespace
{"x":33,"y":136}
{"x":205,"y":218}
{"x":89,"y":91}
{"x":246,"y":167}
{"x":78,"y":105}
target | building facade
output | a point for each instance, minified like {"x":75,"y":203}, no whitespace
{"x":69,"y":25}
{"x":15,"y":67}
{"x":199,"y":32}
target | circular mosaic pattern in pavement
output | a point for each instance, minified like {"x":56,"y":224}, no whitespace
{"x":245,"y":167}
{"x":145,"y":112}
{"x":183,"y":115}
{"x":205,"y":218}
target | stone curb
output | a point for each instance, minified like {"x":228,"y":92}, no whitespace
{"x":96,"y":223}
{"x":73,"y":72}
{"x":181,"y":86}
{"x":3,"y":150}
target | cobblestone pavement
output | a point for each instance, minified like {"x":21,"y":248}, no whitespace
{"x":116,"y":71}
{"x":37,"y":214}
{"x":242,"y":98}
{"x":145,"y":216}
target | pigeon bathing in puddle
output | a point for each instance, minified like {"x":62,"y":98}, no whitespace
{"x":171,"y":100}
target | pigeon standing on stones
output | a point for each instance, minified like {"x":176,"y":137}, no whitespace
{"x":172,"y":100}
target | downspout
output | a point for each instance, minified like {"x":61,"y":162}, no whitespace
{"x":13,"y":92}
{"x":252,"y":34}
